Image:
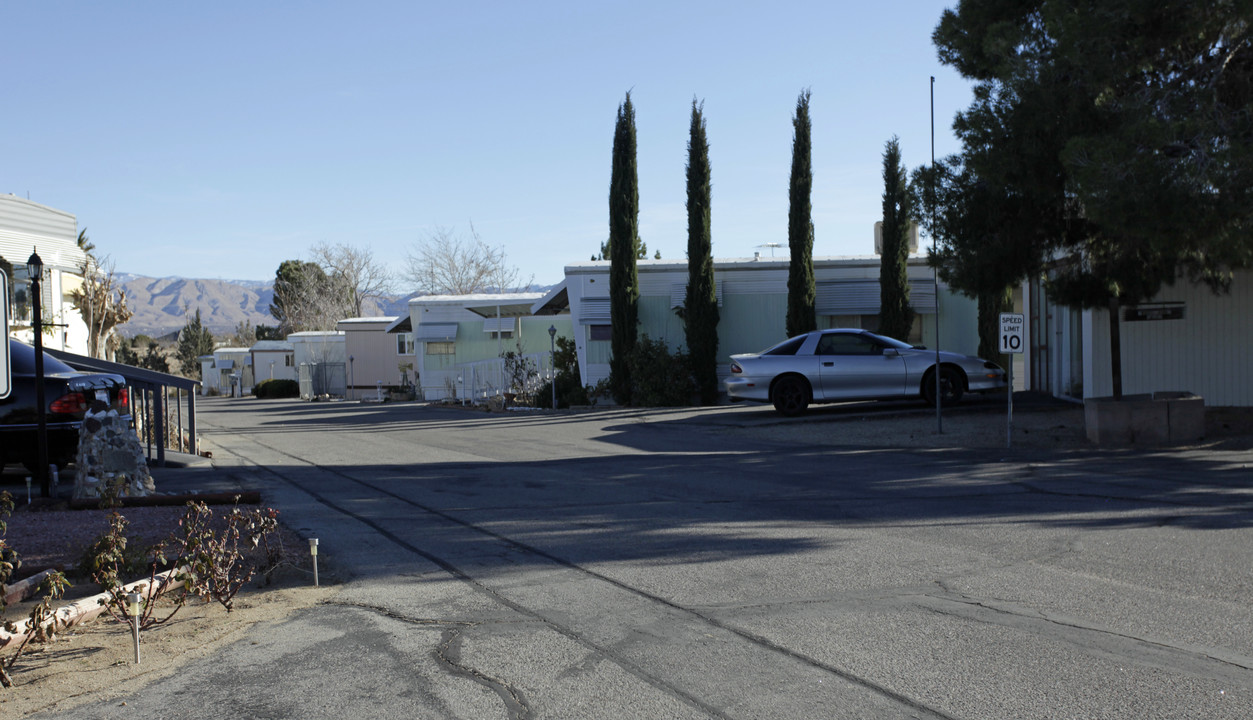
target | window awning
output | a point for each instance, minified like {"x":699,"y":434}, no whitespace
{"x":436,"y":332}
{"x":594,"y":311}
{"x":861,"y":297}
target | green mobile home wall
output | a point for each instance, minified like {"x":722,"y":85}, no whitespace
{"x":753,"y":305}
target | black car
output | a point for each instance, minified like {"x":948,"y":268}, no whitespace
{"x":68,"y":394}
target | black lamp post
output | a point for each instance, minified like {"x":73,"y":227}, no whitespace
{"x":552,"y":360}
{"x":34,"y":270}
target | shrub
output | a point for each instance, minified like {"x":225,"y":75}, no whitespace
{"x":569,"y":390}
{"x":660,"y":378}
{"x":277,"y":389}
{"x":220,"y":561}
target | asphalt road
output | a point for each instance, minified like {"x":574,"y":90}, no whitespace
{"x":624,"y":564}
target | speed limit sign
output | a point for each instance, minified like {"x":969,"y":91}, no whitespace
{"x":1013,"y":332}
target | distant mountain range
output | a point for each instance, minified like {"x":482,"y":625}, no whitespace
{"x":161,"y":305}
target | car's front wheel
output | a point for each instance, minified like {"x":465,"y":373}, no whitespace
{"x":790,"y":396}
{"x":951,"y":387}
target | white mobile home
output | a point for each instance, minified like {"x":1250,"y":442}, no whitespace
{"x":273,"y":360}
{"x":1185,"y":339}
{"x":752,"y":300}
{"x":459,"y":341}
{"x":229,"y":373}
{"x":27,"y":226}
{"x":377,"y":359}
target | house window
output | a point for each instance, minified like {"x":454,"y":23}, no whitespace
{"x":404,"y":344}
{"x":600,"y":332}
{"x":441,"y":348}
{"x":288,"y":360}
{"x":507,"y":334}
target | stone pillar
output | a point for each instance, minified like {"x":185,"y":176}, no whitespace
{"x":110,"y":455}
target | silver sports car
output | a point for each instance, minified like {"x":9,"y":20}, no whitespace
{"x":837,"y":365}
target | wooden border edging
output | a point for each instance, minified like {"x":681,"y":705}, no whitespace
{"x":247,"y":497}
{"x":19,"y":591}
{"x":89,"y":608}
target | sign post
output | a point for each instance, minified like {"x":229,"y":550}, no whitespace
{"x":1013,"y":337}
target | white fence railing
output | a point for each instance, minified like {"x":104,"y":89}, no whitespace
{"x":477,"y":382}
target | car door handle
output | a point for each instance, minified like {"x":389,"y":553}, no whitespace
{"x":828,"y":364}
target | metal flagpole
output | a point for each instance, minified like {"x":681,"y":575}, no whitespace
{"x":939,"y":419}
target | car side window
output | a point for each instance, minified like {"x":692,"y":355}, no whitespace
{"x":842,"y":344}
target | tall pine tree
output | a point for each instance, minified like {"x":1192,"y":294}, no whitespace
{"x":624,"y":292}
{"x":700,"y":306}
{"x":194,"y":340}
{"x":896,"y":316}
{"x":1115,"y":134}
{"x":802,"y":292}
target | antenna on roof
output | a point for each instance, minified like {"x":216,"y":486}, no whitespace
{"x":772,"y":246}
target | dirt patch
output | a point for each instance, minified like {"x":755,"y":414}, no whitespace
{"x":1057,"y":427}
{"x":97,"y":657}
{"x":95,"y":661}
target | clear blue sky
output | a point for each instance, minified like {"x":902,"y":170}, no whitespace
{"x":218,"y":139}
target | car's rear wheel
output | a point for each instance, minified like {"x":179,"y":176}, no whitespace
{"x":951,"y":387}
{"x":790,"y":396}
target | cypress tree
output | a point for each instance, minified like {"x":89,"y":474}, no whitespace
{"x":700,"y":316}
{"x":624,"y":293}
{"x":802,"y":292}
{"x":896,"y":316}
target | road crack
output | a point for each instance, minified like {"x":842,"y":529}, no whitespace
{"x":393,"y":615}
{"x":448,"y":653}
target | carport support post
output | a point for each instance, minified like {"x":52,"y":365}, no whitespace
{"x":158,"y":419}
{"x":191,"y":420}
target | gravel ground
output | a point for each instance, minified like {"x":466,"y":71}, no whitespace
{"x":1060,"y":427}
{"x":57,"y":538}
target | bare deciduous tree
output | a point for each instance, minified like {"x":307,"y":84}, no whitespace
{"x":358,"y":276}
{"x":101,"y":301}
{"x":447,"y":263}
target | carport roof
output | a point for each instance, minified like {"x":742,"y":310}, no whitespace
{"x":400,"y":325}
{"x":556,"y":302}
{"x":485,"y":304}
